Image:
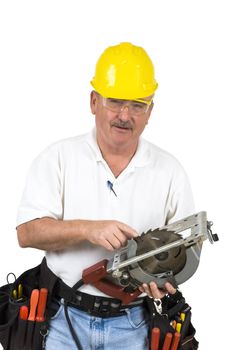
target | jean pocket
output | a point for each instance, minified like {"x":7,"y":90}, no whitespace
{"x":137,"y":316}
{"x":56,"y":308}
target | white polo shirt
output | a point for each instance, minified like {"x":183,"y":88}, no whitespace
{"x":69,"y":181}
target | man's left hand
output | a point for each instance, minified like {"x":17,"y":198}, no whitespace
{"x":154,"y":292}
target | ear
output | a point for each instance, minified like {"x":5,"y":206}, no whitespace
{"x":149,"y":111}
{"x":93,"y":102}
{"x":151,"y":106}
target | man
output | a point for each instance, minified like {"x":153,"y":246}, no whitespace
{"x":87,"y":195}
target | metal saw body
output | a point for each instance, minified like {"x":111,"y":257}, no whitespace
{"x":170,"y":253}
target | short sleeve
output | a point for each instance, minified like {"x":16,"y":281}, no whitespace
{"x":42,"y":195}
{"x":181,"y":202}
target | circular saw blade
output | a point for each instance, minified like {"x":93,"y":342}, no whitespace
{"x":171,"y":260}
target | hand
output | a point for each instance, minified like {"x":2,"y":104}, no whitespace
{"x":109,"y":234}
{"x":154,"y":292}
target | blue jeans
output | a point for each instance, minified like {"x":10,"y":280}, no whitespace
{"x":128,"y":332}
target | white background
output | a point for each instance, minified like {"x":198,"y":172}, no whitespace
{"x":48,"y":51}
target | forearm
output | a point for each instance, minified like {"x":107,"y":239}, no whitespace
{"x":51,"y":234}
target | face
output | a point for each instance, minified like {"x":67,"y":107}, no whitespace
{"x":117,"y":130}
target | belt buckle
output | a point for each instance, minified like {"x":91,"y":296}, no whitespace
{"x":105,"y":307}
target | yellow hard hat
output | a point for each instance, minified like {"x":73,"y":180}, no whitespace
{"x":124,"y":71}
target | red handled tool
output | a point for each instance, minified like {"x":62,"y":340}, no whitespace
{"x":42,"y":305}
{"x":167,"y":341}
{"x":23,"y":312}
{"x":155,"y":336}
{"x":33,"y":304}
{"x":22,"y":327}
{"x":176,"y":341}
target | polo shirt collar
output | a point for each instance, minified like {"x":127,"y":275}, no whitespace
{"x":140,"y":159}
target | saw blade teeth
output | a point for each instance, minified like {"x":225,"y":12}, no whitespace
{"x":148,"y":232}
{"x":157,"y":238}
{"x":145,"y":233}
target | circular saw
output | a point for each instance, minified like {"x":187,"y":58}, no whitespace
{"x":167,"y":254}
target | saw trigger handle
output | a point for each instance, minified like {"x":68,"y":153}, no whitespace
{"x":95,"y":275}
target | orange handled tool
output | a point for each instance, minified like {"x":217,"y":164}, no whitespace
{"x":167,"y":341}
{"x":41,"y":305}
{"x":155,"y":336}
{"x":176,"y":341}
{"x":33,"y":304}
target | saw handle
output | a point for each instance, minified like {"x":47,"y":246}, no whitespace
{"x":116,"y":291}
{"x":95,"y":272}
{"x":95,"y":275}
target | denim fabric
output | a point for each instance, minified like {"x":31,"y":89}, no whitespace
{"x":128,"y":332}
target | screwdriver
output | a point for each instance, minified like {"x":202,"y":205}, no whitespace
{"x":182,"y":316}
{"x":22,"y":327}
{"x":178,"y":327}
{"x":174,"y":324}
{"x":167,"y":341}
{"x":176,"y":340}
{"x":33,"y":304}
{"x":41,"y":305}
{"x":14,"y":294}
{"x":23,"y":312}
{"x":155,"y":338}
{"x":20,"y":291}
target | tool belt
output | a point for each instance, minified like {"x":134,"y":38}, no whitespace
{"x":20,"y":332}
{"x":95,"y":305}
{"x":170,"y":323}
{"x":17,"y":331}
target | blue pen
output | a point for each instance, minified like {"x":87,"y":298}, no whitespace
{"x":110,"y":185}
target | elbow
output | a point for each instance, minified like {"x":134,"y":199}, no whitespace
{"x":22,"y":234}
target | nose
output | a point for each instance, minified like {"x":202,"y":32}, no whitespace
{"x":124,"y":113}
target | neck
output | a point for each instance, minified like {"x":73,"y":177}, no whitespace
{"x":117,"y":158}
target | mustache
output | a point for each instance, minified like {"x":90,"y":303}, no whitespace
{"x":121,"y":124}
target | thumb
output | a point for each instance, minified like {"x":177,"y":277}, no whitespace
{"x":169,"y":287}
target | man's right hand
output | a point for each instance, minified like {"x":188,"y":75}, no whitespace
{"x":109,"y":234}
{"x":50,"y":234}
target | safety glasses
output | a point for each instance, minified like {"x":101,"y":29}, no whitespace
{"x":136,"y":107}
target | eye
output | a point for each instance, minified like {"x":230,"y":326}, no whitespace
{"x":114,"y":101}
{"x":139,"y":106}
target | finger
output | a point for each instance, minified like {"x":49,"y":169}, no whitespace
{"x":155,"y":291}
{"x":114,"y":241}
{"x":105,"y":244}
{"x":141,"y":289}
{"x":121,"y":237}
{"x":169,"y":287}
{"x":147,"y":290}
{"x":128,"y":231}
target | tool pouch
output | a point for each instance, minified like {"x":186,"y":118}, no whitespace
{"x":172,"y":307}
{"x":16,"y":333}
{"x":8,"y":316}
